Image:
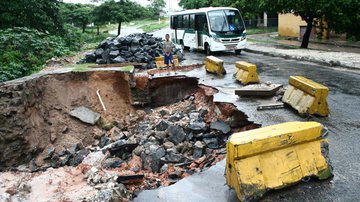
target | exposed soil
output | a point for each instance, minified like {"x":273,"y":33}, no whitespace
{"x":39,"y":121}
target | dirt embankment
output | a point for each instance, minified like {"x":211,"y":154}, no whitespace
{"x":34,"y":112}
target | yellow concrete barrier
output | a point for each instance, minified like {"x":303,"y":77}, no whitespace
{"x":160,"y":61}
{"x":307,"y":96}
{"x":246,"y":72}
{"x":214,"y":65}
{"x":276,"y":156}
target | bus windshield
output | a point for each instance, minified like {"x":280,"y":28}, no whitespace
{"x":226,"y":21}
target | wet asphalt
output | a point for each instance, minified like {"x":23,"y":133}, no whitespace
{"x":343,"y":124}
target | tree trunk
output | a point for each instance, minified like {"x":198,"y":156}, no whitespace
{"x":83,"y":28}
{"x":98,"y":30}
{"x":119,"y":28}
{"x":306,"y":37}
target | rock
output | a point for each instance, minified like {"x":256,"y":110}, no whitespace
{"x":220,"y":126}
{"x":99,"y":52}
{"x":118,"y":59}
{"x":173,"y":157}
{"x":120,"y":147}
{"x":50,"y":152}
{"x":85,"y":115}
{"x":168,"y":145}
{"x":135,"y":164}
{"x":90,"y":57}
{"x":114,"y":54}
{"x":162,"y":125}
{"x":110,"y":195}
{"x":164,"y":168}
{"x":198,"y":149}
{"x":94,"y":158}
{"x":164,"y":112}
{"x":78,"y":157}
{"x":198,"y":127}
{"x":211,"y":143}
{"x":74,"y":148}
{"x":112,"y":162}
{"x":161,"y":135}
{"x":176,"y":134}
{"x":176,"y":117}
{"x":104,"y":141}
{"x":138,"y":150}
{"x":32,"y":166}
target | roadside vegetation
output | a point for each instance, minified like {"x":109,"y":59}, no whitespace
{"x":260,"y":30}
{"x":31,"y":35}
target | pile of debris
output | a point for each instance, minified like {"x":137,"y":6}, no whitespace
{"x":140,"y":48}
{"x":157,"y":148}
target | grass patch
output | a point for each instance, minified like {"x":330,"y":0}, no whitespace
{"x":261,"y":30}
{"x":81,"y":67}
{"x":153,"y":27}
{"x":127,"y":68}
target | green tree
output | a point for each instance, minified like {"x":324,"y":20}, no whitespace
{"x":77,"y":14}
{"x":156,"y":7}
{"x":43,"y":15}
{"x":192,"y":4}
{"x":117,"y":12}
{"x":344,"y":16}
{"x":308,"y":10}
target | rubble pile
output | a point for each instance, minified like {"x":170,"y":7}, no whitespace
{"x":139,"y":48}
{"x":158,"y":147}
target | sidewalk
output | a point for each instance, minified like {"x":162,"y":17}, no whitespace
{"x":325,"y":54}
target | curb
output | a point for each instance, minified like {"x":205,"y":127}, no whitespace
{"x":331,"y":63}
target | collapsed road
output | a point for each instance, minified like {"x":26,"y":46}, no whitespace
{"x":343,"y":124}
{"x":208,"y":185}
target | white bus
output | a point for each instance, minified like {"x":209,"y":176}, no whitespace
{"x":210,"y":29}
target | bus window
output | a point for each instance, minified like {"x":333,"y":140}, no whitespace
{"x":201,"y":23}
{"x":186,"y":21}
{"x":179,"y":21}
{"x":173,"y":22}
{"x":192,"y":21}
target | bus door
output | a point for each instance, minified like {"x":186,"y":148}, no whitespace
{"x":201,"y":28}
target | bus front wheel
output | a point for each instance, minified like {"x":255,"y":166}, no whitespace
{"x":238,"y":51}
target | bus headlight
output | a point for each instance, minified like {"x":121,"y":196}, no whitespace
{"x":243,"y":38}
{"x":217,"y":40}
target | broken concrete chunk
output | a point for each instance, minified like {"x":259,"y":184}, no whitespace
{"x":162,"y":125}
{"x":176,"y":134}
{"x":85,"y":115}
{"x":220,"y":126}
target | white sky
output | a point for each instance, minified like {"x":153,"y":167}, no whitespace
{"x":170,"y":4}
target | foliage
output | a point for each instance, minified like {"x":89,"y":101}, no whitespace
{"x":192,"y":4}
{"x":77,"y":14}
{"x":344,"y":16}
{"x":23,"y":51}
{"x":118,"y":12}
{"x":154,"y":26}
{"x":156,"y":7}
{"x":42,"y":15}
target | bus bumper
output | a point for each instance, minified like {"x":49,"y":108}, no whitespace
{"x":219,"y":46}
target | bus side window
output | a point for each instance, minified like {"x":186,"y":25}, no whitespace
{"x":173,"y":24}
{"x":186,"y":21}
{"x":192,"y":21}
{"x":179,"y":21}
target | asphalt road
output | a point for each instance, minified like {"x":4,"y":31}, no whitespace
{"x":343,"y":124}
